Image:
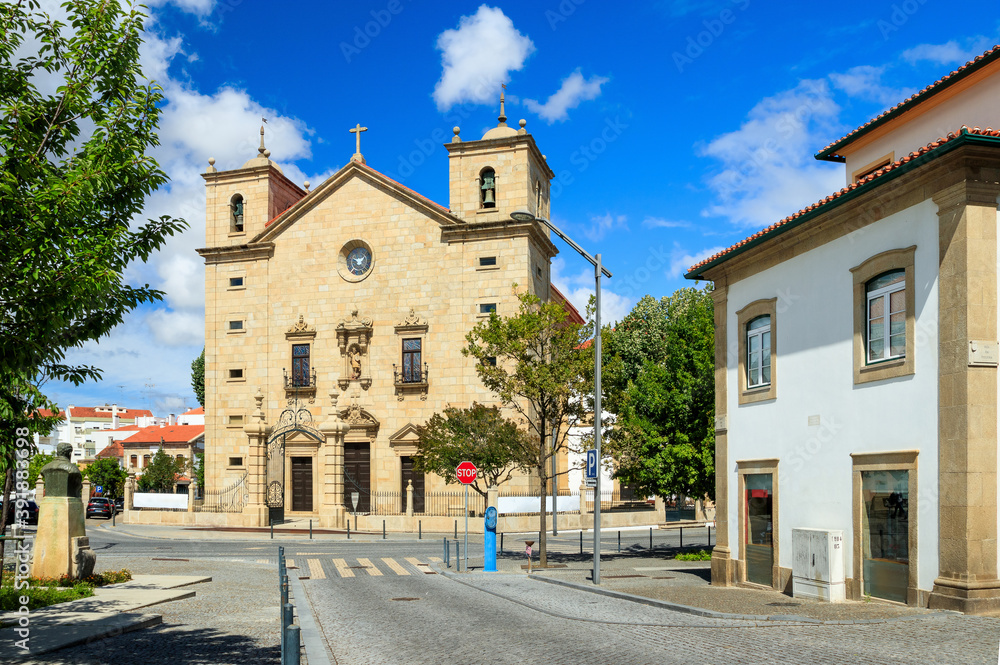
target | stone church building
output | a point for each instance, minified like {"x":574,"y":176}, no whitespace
{"x":335,"y":317}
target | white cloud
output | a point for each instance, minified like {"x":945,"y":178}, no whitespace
{"x":177,"y":328}
{"x":660,"y":223}
{"x":574,"y":89}
{"x":478,"y":56}
{"x":681,"y":259}
{"x":950,"y":53}
{"x":601,"y":225}
{"x":767,"y":170}
{"x":200,"y":8}
{"x":579,"y":287}
{"x":865,"y":82}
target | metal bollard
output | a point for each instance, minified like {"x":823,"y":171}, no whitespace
{"x":581,"y":541}
{"x":682,"y":537}
{"x":348,"y":528}
{"x":458,"y":555}
{"x":501,"y":542}
{"x":383,"y":529}
{"x":447,"y":553}
{"x":287,"y":615}
{"x":420,"y":530}
{"x":456,"y":528}
{"x":293,"y":646}
{"x":310,"y":529}
{"x":619,"y":541}
{"x":709,"y":527}
{"x":284,"y":590}
{"x":650,"y":537}
{"x":272,"y":529}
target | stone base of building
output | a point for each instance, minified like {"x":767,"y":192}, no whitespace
{"x":980,"y":597}
{"x":722,"y":567}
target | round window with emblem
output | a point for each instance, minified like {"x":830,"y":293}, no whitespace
{"x":356,"y":260}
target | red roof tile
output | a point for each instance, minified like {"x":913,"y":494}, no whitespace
{"x":929,"y":148}
{"x":169,"y":434}
{"x":92,"y":412}
{"x":199,"y":411}
{"x":574,"y":313}
{"x":829,"y":152}
{"x":114,"y":451}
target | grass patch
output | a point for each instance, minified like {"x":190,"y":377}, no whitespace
{"x":695,"y":555}
{"x":49,"y":591}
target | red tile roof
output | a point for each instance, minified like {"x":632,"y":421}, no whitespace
{"x":931,"y":150}
{"x":91,"y":412}
{"x":45,"y":413}
{"x":830,"y":152}
{"x":574,"y":313}
{"x":199,"y":411}
{"x":114,"y":451}
{"x":169,"y":434}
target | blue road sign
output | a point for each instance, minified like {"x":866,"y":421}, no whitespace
{"x":592,"y":464}
{"x":100,"y":489}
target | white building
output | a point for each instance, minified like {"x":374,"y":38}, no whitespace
{"x":876,"y":310}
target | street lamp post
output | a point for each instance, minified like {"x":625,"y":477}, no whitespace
{"x":525,"y":216}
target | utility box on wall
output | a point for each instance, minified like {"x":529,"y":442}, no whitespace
{"x":818,"y":564}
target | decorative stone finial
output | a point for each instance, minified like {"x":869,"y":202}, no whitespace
{"x":267,"y":154}
{"x":502,"y":118}
{"x":306,"y":183}
{"x":211,"y":161}
{"x":456,"y":138}
{"x":522,"y":122}
{"x":211,"y":165}
{"x":261,"y":150}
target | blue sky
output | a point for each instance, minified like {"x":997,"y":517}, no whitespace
{"x":674,"y":128}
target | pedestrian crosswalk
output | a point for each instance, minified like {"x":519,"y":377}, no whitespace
{"x":320,"y":568}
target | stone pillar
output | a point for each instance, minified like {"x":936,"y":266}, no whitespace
{"x":191,"y":493}
{"x":409,"y":498}
{"x":85,"y":496}
{"x":257,"y":431}
{"x":492,"y":496}
{"x":130,"y":490}
{"x":39,"y":488}
{"x":967,"y":409}
{"x":722,"y":558}
{"x":333,"y":514}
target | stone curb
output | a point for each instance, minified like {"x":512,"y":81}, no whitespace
{"x":312,"y":640}
{"x":711,"y":614}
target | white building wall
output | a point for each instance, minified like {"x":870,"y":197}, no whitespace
{"x":814,"y":374}
{"x":977,"y":106}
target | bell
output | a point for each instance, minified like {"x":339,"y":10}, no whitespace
{"x":488,"y":197}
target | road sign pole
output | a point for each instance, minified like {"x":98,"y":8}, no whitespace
{"x":597,"y":420}
{"x":466,"y":528}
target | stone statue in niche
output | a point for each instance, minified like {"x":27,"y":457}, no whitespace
{"x":355,"y":363}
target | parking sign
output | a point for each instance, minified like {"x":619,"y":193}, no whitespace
{"x":591,"y":464}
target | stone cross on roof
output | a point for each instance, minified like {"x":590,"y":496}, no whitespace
{"x":356,"y":130}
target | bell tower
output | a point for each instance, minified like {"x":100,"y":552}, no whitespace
{"x":240,"y":202}
{"x":502,"y":172}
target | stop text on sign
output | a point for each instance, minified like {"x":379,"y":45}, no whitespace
{"x":466,"y":473}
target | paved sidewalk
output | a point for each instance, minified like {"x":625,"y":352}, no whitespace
{"x":110,"y":611}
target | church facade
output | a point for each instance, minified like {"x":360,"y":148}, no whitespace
{"x":335,"y":318}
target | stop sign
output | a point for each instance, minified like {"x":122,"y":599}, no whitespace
{"x":467,"y":473}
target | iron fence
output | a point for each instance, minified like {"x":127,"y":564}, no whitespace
{"x":431,"y":504}
{"x":231,"y":499}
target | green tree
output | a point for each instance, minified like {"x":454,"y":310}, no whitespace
{"x":198,"y":377}
{"x":660,"y":386}
{"x":478,"y":434}
{"x":199,"y":470}
{"x":109,"y":474}
{"x":79,"y":121}
{"x":535,"y":363}
{"x":161,"y":473}
{"x":35,"y":465}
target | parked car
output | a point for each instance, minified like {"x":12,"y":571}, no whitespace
{"x":100,"y":507}
{"x":28,"y":512}
{"x":119,"y":504}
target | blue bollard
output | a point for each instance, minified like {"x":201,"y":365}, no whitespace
{"x":490,"y":541}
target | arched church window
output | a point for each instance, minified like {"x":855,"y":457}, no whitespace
{"x":236,"y":214}
{"x":488,"y":189}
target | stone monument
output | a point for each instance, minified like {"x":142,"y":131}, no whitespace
{"x":61,"y":545}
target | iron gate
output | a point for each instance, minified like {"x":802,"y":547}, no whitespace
{"x":294,"y":418}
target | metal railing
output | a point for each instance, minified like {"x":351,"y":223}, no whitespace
{"x":232,"y":499}
{"x":291,"y":643}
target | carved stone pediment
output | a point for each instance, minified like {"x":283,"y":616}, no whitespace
{"x":358,"y":418}
{"x":405,"y":441}
{"x":301,"y":328}
{"x":412,"y":320}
